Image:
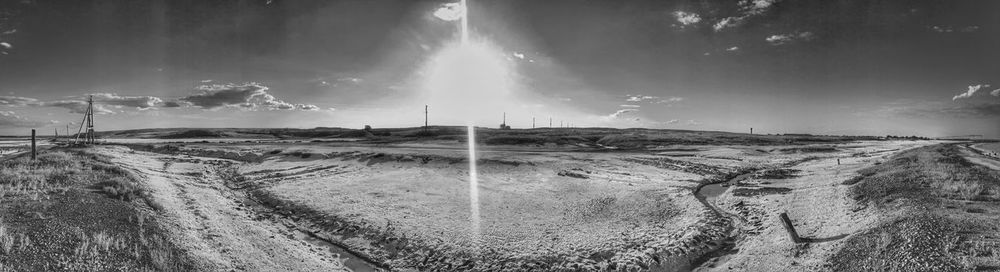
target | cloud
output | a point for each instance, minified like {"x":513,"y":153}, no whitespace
{"x":726,"y":22}
{"x":972,"y":90}
{"x":950,"y":29}
{"x":672,"y":121}
{"x":75,"y":106}
{"x":250,"y":96}
{"x":734,"y":48}
{"x":672,"y":99}
{"x":687,"y":18}
{"x":5,"y":45}
{"x":748,"y":9}
{"x":450,"y":12}
{"x":629,"y":106}
{"x":640,"y":98}
{"x":780,"y":39}
{"x":693,"y":123}
{"x":17,"y":101}
{"x":141,"y":102}
{"x":10,"y":119}
{"x":995,"y":92}
{"x":623,"y":114}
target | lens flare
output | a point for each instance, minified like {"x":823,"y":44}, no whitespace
{"x":473,"y":185}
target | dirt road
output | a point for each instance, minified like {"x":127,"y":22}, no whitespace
{"x":209,"y":222}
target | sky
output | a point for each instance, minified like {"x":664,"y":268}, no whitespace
{"x":926,"y":68}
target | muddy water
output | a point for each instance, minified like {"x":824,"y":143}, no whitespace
{"x":355,"y":263}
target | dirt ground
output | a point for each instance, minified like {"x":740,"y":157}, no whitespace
{"x":211,"y":224}
{"x":407,"y":206}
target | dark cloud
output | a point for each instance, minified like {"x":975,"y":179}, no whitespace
{"x":74,"y":106}
{"x":251,"y":96}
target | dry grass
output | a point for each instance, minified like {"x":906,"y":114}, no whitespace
{"x":65,"y":211}
{"x":916,"y":193}
{"x":939,"y":167}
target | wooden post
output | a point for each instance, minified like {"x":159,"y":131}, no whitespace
{"x":33,"y":144}
{"x":790,"y":228}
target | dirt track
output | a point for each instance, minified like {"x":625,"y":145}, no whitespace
{"x":209,"y":223}
{"x":817,"y":205}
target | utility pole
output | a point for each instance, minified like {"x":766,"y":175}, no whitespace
{"x":90,"y":119}
{"x":751,"y":131}
{"x":425,"y":117}
{"x":550,"y":121}
{"x":532,"y":122}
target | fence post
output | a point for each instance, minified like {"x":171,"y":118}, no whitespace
{"x":790,"y":228}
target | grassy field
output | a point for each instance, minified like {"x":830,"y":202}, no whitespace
{"x":70,"y":210}
{"x":938,"y":212}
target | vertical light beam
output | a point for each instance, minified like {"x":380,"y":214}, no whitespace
{"x":465,"y":22}
{"x":473,"y":185}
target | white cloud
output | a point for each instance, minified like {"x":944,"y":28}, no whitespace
{"x":671,"y":99}
{"x":450,"y":12}
{"x":726,"y":22}
{"x":734,"y":48}
{"x":995,"y":92}
{"x":693,"y":123}
{"x":780,"y":39}
{"x":5,"y":45}
{"x":518,"y":55}
{"x":629,"y":106}
{"x":972,"y":90}
{"x":640,"y":98}
{"x":672,"y":121}
{"x":748,"y":9}
{"x":623,"y":114}
{"x":17,"y":101}
{"x":687,"y":18}
{"x":950,"y":29}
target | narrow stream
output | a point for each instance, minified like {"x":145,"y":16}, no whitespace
{"x":707,"y":194}
{"x":351,"y":261}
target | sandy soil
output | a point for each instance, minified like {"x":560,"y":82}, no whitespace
{"x":208,"y":222}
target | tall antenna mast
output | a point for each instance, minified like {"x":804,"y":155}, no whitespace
{"x":88,"y":122}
